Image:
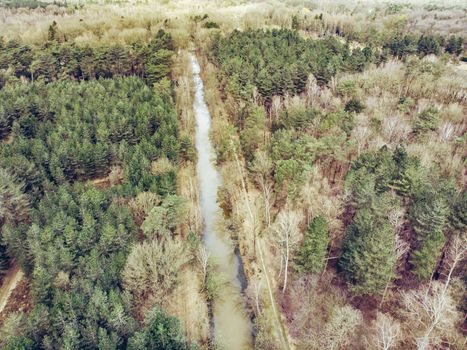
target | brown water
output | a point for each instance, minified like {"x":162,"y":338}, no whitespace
{"x":232,"y":328}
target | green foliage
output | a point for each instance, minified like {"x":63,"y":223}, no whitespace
{"x":162,"y":220}
{"x":58,"y":61}
{"x":286,"y":144}
{"x":341,"y":119}
{"x":354,"y":105}
{"x":377,"y":172}
{"x":369,"y":258}
{"x":292,"y":157}
{"x":4,"y":259}
{"x":295,"y":22}
{"x":71,"y":239}
{"x":252,"y":135}
{"x":290,"y":174}
{"x":211,"y":25}
{"x":427,"y":120}
{"x":52,"y":33}
{"x":199,"y":18}
{"x":428,"y":215}
{"x":78,"y":243}
{"x":455,"y":45}
{"x":70,"y":131}
{"x":160,"y":332}
{"x":458,"y":218}
{"x":279,"y":61}
{"x":433,"y":200}
{"x":428,"y":45}
{"x":425,"y":257}
{"x":13,"y":202}
{"x":297,"y":118}
{"x":402,"y":46}
{"x":312,"y":253}
{"x":18,"y":343}
{"x":405,"y":104}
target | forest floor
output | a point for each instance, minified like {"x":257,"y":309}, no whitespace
{"x":19,"y":301}
{"x":8,"y":140}
{"x":14,"y":293}
{"x":102,"y":182}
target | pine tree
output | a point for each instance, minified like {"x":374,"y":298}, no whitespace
{"x":427,"y":120}
{"x":14,"y":204}
{"x":426,"y":255}
{"x":458,"y":217}
{"x":455,"y":45}
{"x":406,"y":177}
{"x":369,"y":257}
{"x":52,"y":33}
{"x":312,"y":253}
{"x":428,"y":216}
{"x":428,"y":45}
{"x":4,"y":259}
{"x":160,"y":332}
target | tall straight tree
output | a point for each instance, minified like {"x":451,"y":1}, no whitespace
{"x":428,"y":215}
{"x":312,"y":253}
{"x":369,"y":258}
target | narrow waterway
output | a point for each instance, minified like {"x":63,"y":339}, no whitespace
{"x":232,"y":328}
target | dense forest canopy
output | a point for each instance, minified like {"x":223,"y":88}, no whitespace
{"x":339,"y":131}
{"x":86,"y":112}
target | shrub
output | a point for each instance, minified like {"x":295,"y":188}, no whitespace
{"x":428,"y":45}
{"x":211,"y":25}
{"x":354,"y":105}
{"x":427,"y":120}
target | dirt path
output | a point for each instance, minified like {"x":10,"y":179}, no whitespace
{"x":10,"y":281}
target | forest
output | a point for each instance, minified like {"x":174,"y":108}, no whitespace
{"x":338,"y":198}
{"x":87,"y":113}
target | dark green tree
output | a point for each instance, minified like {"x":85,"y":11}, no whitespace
{"x":160,"y":332}
{"x":428,"y":45}
{"x":455,"y":45}
{"x":369,"y":257}
{"x":427,"y":120}
{"x":354,"y":105}
{"x":428,"y":215}
{"x":458,"y":216}
{"x":52,"y":33}
{"x":312,"y":253}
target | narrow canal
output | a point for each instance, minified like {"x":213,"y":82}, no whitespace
{"x":232,"y":327}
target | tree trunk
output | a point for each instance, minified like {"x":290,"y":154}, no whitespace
{"x":286,"y":264}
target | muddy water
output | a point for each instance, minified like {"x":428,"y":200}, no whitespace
{"x":232,"y":328}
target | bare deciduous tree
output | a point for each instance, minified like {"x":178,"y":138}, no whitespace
{"x":312,"y":90}
{"x":262,"y":167}
{"x":456,"y":253}
{"x":361,"y":134}
{"x":386,"y":332}
{"x":203,"y":258}
{"x":153,"y":267}
{"x":446,"y":131}
{"x":287,"y":236}
{"x":276,"y":106}
{"x":396,"y":218}
{"x":343,"y":322}
{"x":253,"y":293}
{"x":116,"y":175}
{"x":431,"y":314}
